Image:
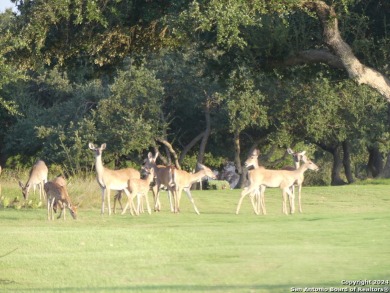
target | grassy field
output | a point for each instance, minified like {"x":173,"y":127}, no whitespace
{"x":343,"y":234}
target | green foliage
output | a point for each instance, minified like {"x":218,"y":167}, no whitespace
{"x":243,"y":103}
{"x":17,"y":204}
{"x":341,"y":110}
{"x":96,"y":74}
{"x":218,"y":184}
{"x":131,"y":118}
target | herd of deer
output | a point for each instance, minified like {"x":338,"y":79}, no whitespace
{"x":129,"y":181}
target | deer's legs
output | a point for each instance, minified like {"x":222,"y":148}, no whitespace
{"x":147,"y":204}
{"x":187,"y":190}
{"x":299,"y":197}
{"x":50,"y":209}
{"x":170,"y":197}
{"x":118,"y":198}
{"x":262,"y":200}
{"x":284,"y":204}
{"x":244,"y":192}
{"x":291,"y":199}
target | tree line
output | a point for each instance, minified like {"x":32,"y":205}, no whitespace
{"x":200,"y":81}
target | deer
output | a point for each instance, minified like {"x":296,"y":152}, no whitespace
{"x":61,"y":181}
{"x":163,"y":176}
{"x":57,"y":195}
{"x":38,"y":176}
{"x":140,"y":188}
{"x":297,"y":157}
{"x":111,"y":179}
{"x":183,"y":180}
{"x":284,"y":179}
{"x":252,"y":161}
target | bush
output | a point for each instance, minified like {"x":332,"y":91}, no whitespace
{"x":218,"y":184}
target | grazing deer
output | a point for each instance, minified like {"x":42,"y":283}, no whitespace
{"x":183,"y":181}
{"x":262,"y":178}
{"x":111,"y":179}
{"x":38,"y":176}
{"x":140,"y":188}
{"x":163,"y":176}
{"x":297,"y":157}
{"x":61,"y":181}
{"x":57,"y":195}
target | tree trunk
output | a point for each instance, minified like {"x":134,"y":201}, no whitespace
{"x":360,"y":73}
{"x":237,"y":161}
{"x":386,"y":169}
{"x":334,"y":149}
{"x":203,"y":143}
{"x":347,"y":162}
{"x":375,"y":162}
{"x":206,"y":135}
{"x":336,"y":168}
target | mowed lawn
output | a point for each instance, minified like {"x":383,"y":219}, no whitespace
{"x":343,"y":234}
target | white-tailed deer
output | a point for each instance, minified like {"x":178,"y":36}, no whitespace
{"x":140,"y":188}
{"x":183,"y":181}
{"x":57,"y":195}
{"x":163,"y":177}
{"x":61,"y":181}
{"x":297,"y":157}
{"x":38,"y":176}
{"x":254,"y":196}
{"x":111,"y":179}
{"x":284,"y":179}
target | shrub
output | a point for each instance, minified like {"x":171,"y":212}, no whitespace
{"x":218,"y":184}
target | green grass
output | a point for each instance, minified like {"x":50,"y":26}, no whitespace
{"x":343,"y":234}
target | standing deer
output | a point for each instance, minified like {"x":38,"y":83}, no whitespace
{"x":111,"y":179}
{"x":163,"y":176}
{"x":262,"y":178}
{"x":57,"y":195}
{"x":297,"y":157}
{"x":254,"y":196}
{"x":38,"y":176}
{"x":140,"y":188}
{"x":183,"y":181}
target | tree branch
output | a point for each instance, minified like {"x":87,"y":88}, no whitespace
{"x":361,"y":73}
{"x":312,"y":57}
{"x":190,"y":145}
{"x":171,"y":150}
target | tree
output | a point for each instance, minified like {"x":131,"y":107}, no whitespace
{"x":343,"y":118}
{"x":229,"y":19}
{"x":131,"y":117}
{"x":243,"y":104}
{"x":97,"y":35}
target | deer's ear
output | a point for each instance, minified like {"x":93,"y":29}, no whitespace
{"x":103,"y":146}
{"x":91,"y":146}
{"x":21,"y":184}
{"x":302,"y":153}
{"x":150,"y":155}
{"x":200,"y":166}
{"x":290,"y":151}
